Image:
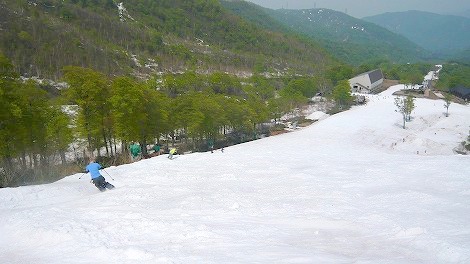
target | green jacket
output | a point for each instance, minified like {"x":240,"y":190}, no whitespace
{"x":135,"y":150}
{"x":156,"y":148}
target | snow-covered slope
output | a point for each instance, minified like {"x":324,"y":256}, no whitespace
{"x":352,"y":188}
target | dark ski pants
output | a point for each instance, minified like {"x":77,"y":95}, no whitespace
{"x":101,"y":183}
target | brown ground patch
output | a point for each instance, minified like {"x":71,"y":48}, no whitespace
{"x":278,"y":132}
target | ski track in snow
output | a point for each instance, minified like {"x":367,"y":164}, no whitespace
{"x":349,"y":188}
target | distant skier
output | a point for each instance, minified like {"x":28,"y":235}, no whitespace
{"x":135,"y":150}
{"x":157,"y":150}
{"x":100,"y":182}
{"x":172,"y":152}
{"x":210,"y":144}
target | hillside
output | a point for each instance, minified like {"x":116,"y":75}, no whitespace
{"x":354,"y":187}
{"x":349,"y":39}
{"x":141,"y":37}
{"x":462,"y":57}
{"x":445,"y":35}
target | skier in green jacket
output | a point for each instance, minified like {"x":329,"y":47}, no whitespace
{"x":135,"y":150}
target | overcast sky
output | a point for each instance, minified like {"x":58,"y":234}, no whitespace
{"x":362,"y":8}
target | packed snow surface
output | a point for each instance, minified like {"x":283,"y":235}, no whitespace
{"x":354,"y":187}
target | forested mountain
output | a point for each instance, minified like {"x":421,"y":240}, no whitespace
{"x":349,"y":39}
{"x":444,"y":35}
{"x":141,"y":36}
{"x":462,"y":57}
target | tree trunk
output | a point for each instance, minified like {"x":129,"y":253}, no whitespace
{"x":105,"y":140}
{"x":115,"y":146}
{"x":63,"y":159}
{"x":8,"y":172}
{"x":143,"y":147}
{"x":23,"y":161}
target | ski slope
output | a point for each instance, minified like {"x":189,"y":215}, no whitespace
{"x":352,"y":188}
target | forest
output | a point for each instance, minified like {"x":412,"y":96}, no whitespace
{"x":44,"y":135}
{"x":43,"y":36}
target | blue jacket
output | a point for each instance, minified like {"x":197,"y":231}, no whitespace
{"x":93,"y":168}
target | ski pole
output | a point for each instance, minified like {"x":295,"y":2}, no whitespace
{"x":108,"y":174}
{"x":81,"y":175}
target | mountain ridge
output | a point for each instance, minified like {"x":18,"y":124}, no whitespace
{"x":347,"y":38}
{"x":444,"y":35}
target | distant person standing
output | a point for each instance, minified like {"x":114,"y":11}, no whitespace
{"x":98,"y":180}
{"x":156,"y":150}
{"x":135,"y":150}
{"x":210,"y":145}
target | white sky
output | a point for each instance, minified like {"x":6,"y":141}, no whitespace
{"x":351,"y":188}
{"x":362,"y":8}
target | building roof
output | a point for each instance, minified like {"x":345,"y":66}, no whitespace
{"x":461,"y":91}
{"x":374,"y":75}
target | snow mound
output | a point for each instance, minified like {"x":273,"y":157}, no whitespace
{"x":318,"y":115}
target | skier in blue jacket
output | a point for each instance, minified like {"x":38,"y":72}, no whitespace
{"x":100,"y":182}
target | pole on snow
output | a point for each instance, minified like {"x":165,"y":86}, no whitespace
{"x":81,"y":175}
{"x":108,"y":174}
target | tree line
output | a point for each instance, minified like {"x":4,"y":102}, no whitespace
{"x":105,"y":114}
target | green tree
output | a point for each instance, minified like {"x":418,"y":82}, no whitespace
{"x":342,"y":94}
{"x":185,"y":114}
{"x":261,"y":87}
{"x":401,"y":105}
{"x":30,"y":133}
{"x":214,"y":116}
{"x":405,"y":106}
{"x":199,"y":115}
{"x":259,"y":110}
{"x":139,"y":111}
{"x":33,"y":123}
{"x":222,"y":83}
{"x":339,"y":72}
{"x":59,"y":132}
{"x":239,"y":114}
{"x":90,"y":91}
{"x":10,"y":109}
{"x":307,"y":86}
{"x":410,"y":106}
{"x":292,"y":97}
{"x":177,"y":84}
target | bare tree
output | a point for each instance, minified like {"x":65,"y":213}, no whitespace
{"x":447,"y":102}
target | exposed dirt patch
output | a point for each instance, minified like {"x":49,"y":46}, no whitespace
{"x":278,"y":132}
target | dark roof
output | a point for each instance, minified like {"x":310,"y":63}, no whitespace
{"x":460,"y":91}
{"x":375,"y":75}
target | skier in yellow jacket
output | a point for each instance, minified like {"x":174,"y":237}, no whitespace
{"x":172,"y":152}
